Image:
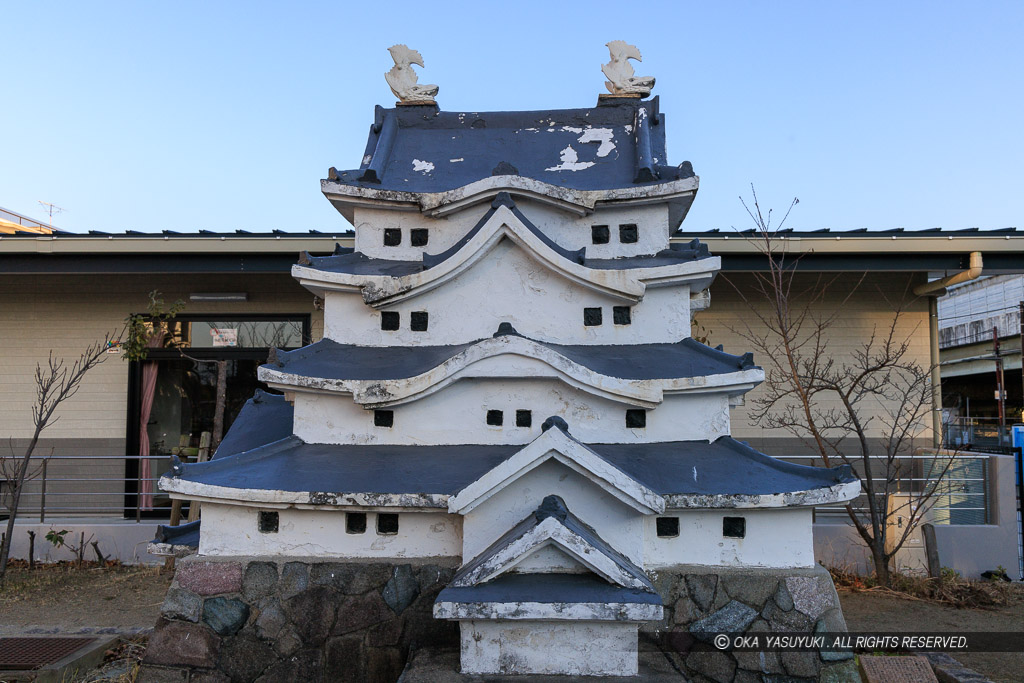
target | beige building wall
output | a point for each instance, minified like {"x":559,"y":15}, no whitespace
{"x":62,"y":314}
{"x":859,"y":313}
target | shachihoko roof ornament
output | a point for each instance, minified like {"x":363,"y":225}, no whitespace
{"x":619,"y":72}
{"x":404,"y":82}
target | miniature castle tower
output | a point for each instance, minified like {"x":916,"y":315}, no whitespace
{"x":507,"y":377}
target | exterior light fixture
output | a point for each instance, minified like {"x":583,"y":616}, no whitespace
{"x":218,"y":296}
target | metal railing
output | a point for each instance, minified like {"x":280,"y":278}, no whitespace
{"x":58,"y":486}
{"x":979,"y":432}
{"x":961,"y":497}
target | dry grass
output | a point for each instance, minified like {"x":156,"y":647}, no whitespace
{"x":949,"y":589}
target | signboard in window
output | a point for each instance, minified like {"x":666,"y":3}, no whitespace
{"x":224,"y":336}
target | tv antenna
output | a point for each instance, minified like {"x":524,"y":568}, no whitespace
{"x":50,"y":210}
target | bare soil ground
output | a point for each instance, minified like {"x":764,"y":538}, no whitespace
{"x":62,"y":596}
{"x":882,"y":611}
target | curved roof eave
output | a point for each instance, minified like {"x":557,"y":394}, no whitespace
{"x":378,"y":393}
{"x":346,"y":197}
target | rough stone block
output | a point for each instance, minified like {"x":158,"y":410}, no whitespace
{"x":182,"y":604}
{"x":810,"y":596}
{"x":312,"y":613}
{"x":384,"y":664}
{"x":177,"y":643}
{"x":344,"y":660}
{"x":226,"y":616}
{"x":245,"y":657}
{"x":360,"y":612}
{"x":735,"y":617}
{"x":701,"y":588}
{"x":350,"y":578}
{"x":385,"y":634}
{"x":259,"y":580}
{"x":761,"y":662}
{"x":685,"y":611}
{"x":790,"y":621}
{"x":751,"y":589}
{"x":801,"y":664}
{"x":303,"y":665}
{"x":881,"y":669}
{"x":159,"y":674}
{"x":401,"y":589}
{"x":846,"y":672}
{"x":270,"y":619}
{"x":208,"y":677}
{"x":210,"y":578}
{"x":287,"y":642}
{"x":294,"y":579}
{"x":717,"y":666}
{"x":782,"y":597}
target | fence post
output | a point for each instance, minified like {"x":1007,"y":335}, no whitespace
{"x":42,"y":493}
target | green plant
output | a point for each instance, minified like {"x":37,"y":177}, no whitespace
{"x":140,"y":327}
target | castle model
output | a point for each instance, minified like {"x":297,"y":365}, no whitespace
{"x":507,"y":382}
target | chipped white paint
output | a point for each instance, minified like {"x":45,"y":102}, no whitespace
{"x":605,"y":136}
{"x":403,"y":81}
{"x":232,"y":530}
{"x":554,"y":444}
{"x":550,"y":611}
{"x":423,"y":167}
{"x":455,"y":161}
{"x":774,"y":538}
{"x":570,"y":161}
{"x":543,"y":647}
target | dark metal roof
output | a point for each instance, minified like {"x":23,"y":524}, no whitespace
{"x":722,"y":467}
{"x":327,"y":359}
{"x":422,"y":149}
{"x":263,"y":419}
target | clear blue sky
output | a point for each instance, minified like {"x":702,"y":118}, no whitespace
{"x":219,"y":115}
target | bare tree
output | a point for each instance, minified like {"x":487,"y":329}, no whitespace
{"x":865,"y":411}
{"x":56,"y":382}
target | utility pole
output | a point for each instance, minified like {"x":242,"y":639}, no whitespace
{"x":1000,"y":385}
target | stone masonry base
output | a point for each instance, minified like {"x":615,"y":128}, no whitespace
{"x":300,"y":619}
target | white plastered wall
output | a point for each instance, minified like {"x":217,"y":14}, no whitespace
{"x":774,"y":538}
{"x":618,"y":524}
{"x":507,"y":285}
{"x":457,"y":415}
{"x":567,"y":229}
{"x":549,"y":647}
{"x":233,"y":530}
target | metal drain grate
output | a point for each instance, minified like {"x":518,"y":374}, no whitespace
{"x":19,"y":654}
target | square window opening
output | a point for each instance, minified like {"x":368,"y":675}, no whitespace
{"x":591,"y":317}
{"x":628,"y":233}
{"x":600,"y":234}
{"x":418,"y":321}
{"x":621,"y":315}
{"x":387,"y":523}
{"x":383,"y":418}
{"x":636,"y":419}
{"x":355,"y":522}
{"x":418,"y":237}
{"x":524,"y":418}
{"x":734,"y":527}
{"x":390,"y":320}
{"x":668,"y":527}
{"x":392,"y":237}
{"x":495,"y":418}
{"x":268,"y":521}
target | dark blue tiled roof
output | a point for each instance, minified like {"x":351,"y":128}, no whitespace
{"x":724,"y":466}
{"x":264,"y":418}
{"x":328,"y":359}
{"x":422,"y":149}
